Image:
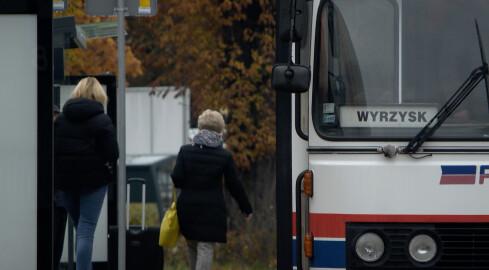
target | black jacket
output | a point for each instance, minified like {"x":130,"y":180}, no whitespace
{"x":201,"y":211}
{"x":84,"y":141}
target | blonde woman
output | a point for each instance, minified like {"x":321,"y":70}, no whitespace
{"x":85,"y":146}
{"x":198,"y":172}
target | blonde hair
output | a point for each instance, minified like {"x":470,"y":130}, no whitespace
{"x":211,"y":120}
{"x":90,"y":88}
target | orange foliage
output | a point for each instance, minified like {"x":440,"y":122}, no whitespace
{"x":223,"y":52}
{"x":100,"y":57}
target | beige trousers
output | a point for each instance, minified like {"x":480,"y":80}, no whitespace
{"x":200,"y":255}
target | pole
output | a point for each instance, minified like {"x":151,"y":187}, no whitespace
{"x":70,"y":244}
{"x":121,"y":133}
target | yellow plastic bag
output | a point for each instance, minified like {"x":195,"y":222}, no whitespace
{"x":170,"y":230}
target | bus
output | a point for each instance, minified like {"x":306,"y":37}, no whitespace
{"x":382,"y":134}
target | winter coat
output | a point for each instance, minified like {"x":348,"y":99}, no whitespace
{"x":84,"y":144}
{"x":201,"y":210}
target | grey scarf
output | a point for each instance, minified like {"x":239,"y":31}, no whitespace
{"x":208,"y":138}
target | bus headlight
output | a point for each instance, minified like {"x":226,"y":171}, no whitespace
{"x":369,"y":247}
{"x":422,"y":248}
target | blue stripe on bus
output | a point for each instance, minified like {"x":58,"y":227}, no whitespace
{"x":461,"y":169}
{"x":327,"y":254}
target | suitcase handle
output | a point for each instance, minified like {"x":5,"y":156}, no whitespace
{"x":135,"y":179}
{"x":143,"y":200}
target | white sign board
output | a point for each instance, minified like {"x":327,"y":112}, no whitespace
{"x":134,"y":7}
{"x":60,"y":5}
{"x":386,"y":116}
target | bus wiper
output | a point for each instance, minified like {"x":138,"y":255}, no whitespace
{"x":449,"y":107}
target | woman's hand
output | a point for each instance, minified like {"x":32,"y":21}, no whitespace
{"x":246,"y":216}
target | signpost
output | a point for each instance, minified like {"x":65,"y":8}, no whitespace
{"x":134,"y":7}
{"x":119,"y":8}
{"x":121,"y":134}
{"x":60,"y":5}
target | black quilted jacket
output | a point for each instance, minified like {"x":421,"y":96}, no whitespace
{"x":84,"y":141}
{"x":199,"y":172}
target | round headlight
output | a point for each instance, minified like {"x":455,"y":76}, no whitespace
{"x":422,"y":248}
{"x":369,"y":247}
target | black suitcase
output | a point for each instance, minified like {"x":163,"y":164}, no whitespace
{"x":142,"y":249}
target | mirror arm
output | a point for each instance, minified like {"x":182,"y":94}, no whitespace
{"x":291,"y":34}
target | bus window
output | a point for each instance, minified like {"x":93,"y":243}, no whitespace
{"x":383,"y":68}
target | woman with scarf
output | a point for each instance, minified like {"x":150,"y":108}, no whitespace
{"x":199,"y":172}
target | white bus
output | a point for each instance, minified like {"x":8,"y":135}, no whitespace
{"x":382,"y":149}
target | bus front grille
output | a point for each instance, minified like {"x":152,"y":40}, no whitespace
{"x":459,"y":245}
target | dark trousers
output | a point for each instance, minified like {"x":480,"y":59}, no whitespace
{"x":59,"y":226}
{"x":45,"y":231}
{"x":44,"y":238}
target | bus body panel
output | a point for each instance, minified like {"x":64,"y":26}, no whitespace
{"x":369,"y":188}
{"x":374,"y":184}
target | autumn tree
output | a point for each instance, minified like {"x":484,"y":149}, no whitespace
{"x":222,"y":50}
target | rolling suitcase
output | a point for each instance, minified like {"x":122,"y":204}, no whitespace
{"x":142,"y":249}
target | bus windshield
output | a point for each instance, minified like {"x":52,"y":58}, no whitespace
{"x":383,"y":68}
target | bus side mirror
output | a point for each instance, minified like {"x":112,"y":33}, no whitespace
{"x":291,"y":79}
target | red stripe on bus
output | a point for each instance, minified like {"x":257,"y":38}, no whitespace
{"x":457,"y":180}
{"x":333,"y":225}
